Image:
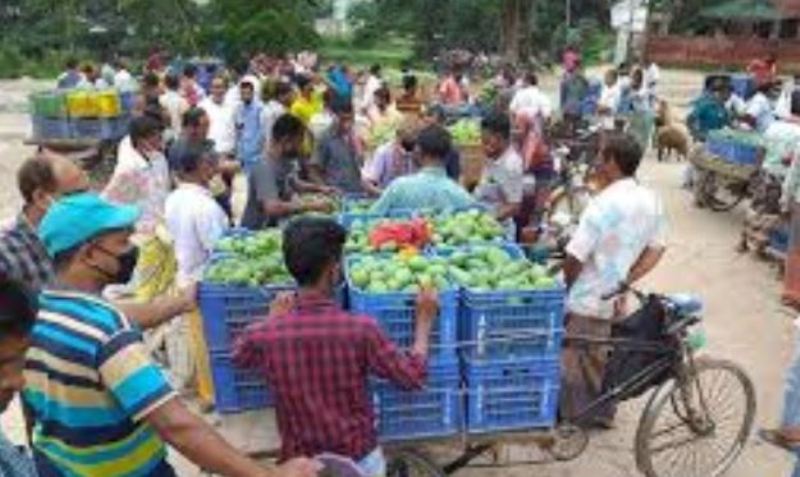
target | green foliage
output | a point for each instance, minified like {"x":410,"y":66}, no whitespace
{"x":274,"y":26}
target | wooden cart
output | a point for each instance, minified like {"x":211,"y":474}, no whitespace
{"x":719,"y":184}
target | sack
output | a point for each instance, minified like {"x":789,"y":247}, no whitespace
{"x":647,"y":324}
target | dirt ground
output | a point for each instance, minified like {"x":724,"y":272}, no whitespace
{"x":743,"y":317}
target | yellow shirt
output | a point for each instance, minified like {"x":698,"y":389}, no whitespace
{"x":304,"y":109}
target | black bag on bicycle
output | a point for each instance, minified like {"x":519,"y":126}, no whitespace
{"x":646,"y":324}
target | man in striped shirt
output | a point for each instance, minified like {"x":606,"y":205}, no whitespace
{"x":99,"y":406}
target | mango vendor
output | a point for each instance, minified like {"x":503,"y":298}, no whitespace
{"x":274,"y":180}
{"x":429,"y":187}
{"x":501,"y":186}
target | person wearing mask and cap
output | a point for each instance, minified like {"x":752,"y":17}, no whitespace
{"x":135,"y":411}
{"x":43,"y":180}
{"x":249,"y":127}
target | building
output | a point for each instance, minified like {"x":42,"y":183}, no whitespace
{"x":736,"y":32}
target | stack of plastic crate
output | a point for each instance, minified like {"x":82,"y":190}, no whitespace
{"x":510,"y":346}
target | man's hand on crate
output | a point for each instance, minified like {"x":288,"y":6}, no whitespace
{"x":427,"y":309}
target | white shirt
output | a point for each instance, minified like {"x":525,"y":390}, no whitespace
{"x":141,"y":182}
{"x":321,"y":123}
{"x":272,"y":111}
{"x":373,"y":84}
{"x":736,"y":105}
{"x":124,"y":81}
{"x":530,"y":100}
{"x":196,"y":222}
{"x":222,"y":127}
{"x":760,"y":108}
{"x":610,"y":97}
{"x":175,"y":105}
{"x":614,"y":231}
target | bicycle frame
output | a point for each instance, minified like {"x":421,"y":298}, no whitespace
{"x":670,"y":357}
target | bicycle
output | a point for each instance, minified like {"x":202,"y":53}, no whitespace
{"x":710,"y":401}
{"x":573,"y":163}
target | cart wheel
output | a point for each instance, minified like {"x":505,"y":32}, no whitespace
{"x":410,"y":463}
{"x":570,"y":442}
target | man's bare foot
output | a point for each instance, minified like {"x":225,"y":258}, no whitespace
{"x":787,"y":439}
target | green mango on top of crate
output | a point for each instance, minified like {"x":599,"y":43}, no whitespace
{"x":249,"y":260}
{"x":398,"y":273}
{"x":497,"y":268}
{"x":466,"y":227}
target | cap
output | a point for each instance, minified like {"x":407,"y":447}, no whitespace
{"x":76,"y":219}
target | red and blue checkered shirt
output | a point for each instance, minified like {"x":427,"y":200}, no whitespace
{"x":317,"y":360}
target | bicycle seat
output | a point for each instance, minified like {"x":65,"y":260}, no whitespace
{"x":686,"y":304}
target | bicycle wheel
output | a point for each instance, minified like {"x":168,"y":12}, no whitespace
{"x":696,"y":426}
{"x":409,"y":463}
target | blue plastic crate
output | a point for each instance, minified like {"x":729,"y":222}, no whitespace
{"x":744,"y":154}
{"x":513,"y":323}
{"x":51,"y":128}
{"x":396,"y":314}
{"x":102,"y":129}
{"x":435,"y":411}
{"x":120,"y":126}
{"x":227,"y":310}
{"x":127,"y":101}
{"x":347,"y":219}
{"x":237,"y":390}
{"x":779,"y":239}
{"x":508,"y":395}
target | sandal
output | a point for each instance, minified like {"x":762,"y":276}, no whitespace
{"x":776,"y":438}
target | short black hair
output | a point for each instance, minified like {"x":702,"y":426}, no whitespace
{"x":192,"y":117}
{"x":36,"y":173}
{"x":434,"y":141}
{"x":302,"y":81}
{"x":375,"y":69}
{"x":143,"y":127}
{"x":624,"y":150}
{"x":189,"y":155}
{"x":190,"y":71}
{"x":71,"y":63}
{"x":282,"y":88}
{"x":384,"y":93}
{"x":172,"y":82}
{"x":410,"y":82}
{"x":18,"y":308}
{"x":531,"y":78}
{"x":310,"y":244}
{"x":151,"y":80}
{"x":497,"y":123}
{"x":343,"y":109}
{"x":287,"y":126}
{"x":247,"y":84}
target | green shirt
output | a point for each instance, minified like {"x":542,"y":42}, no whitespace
{"x":429,"y":188}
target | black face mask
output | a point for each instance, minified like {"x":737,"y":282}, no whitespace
{"x":127,"y":264}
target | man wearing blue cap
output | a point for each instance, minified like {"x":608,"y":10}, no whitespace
{"x":98,"y":404}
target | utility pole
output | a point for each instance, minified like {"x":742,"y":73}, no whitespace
{"x":569,"y":14}
{"x":632,"y":6}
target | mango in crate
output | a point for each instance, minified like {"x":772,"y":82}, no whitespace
{"x":464,"y":228}
{"x":376,"y":274}
{"x":492,"y":268}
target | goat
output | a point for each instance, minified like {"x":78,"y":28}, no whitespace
{"x":671,"y":136}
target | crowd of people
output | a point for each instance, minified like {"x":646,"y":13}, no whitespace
{"x":101,"y":288}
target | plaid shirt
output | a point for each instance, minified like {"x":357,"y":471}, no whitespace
{"x":23,"y":256}
{"x":317,"y":360}
{"x":14,"y":462}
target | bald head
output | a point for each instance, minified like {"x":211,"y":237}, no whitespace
{"x":47,"y":175}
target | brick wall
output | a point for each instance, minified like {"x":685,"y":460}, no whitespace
{"x":721,"y":52}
